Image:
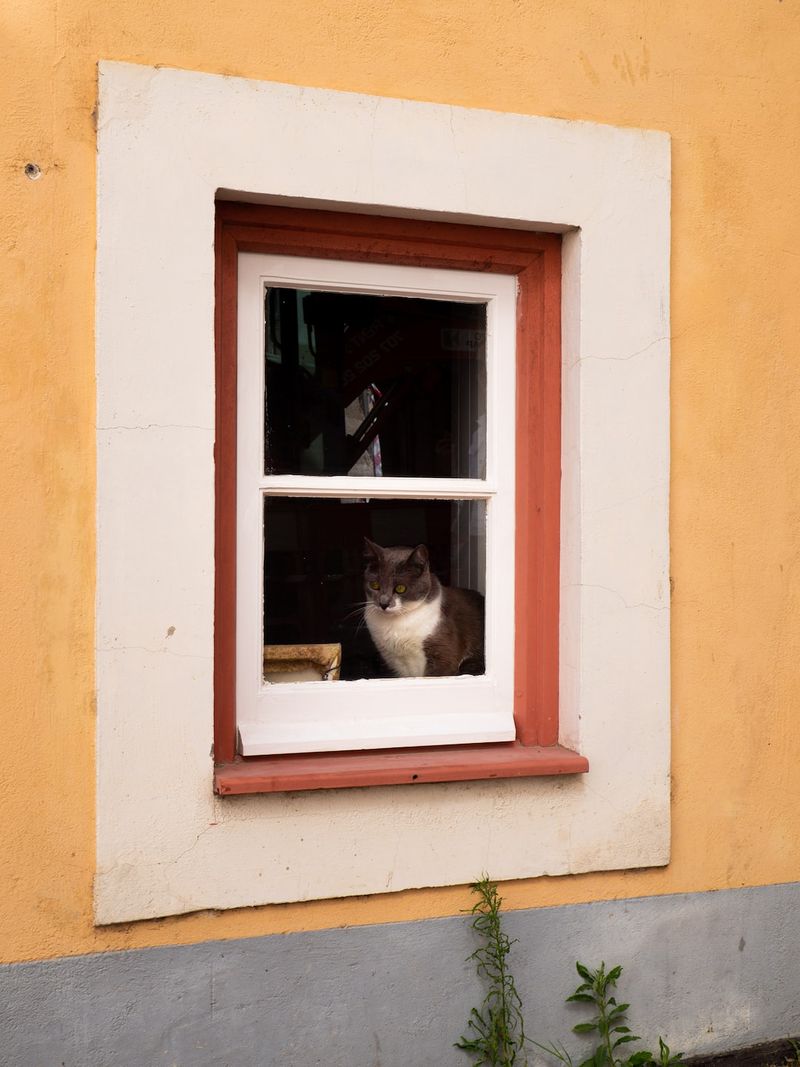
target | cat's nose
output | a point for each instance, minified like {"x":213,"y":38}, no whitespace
{"x":385,"y":601}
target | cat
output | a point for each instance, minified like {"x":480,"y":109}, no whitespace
{"x":420,"y":627}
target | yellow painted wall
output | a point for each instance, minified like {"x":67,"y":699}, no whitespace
{"x":723,"y":78}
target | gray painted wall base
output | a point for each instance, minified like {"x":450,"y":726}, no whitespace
{"x":709,"y":971}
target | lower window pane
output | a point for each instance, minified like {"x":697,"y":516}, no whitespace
{"x":323,"y":620}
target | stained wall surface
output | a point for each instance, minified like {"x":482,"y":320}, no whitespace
{"x":723,"y":79}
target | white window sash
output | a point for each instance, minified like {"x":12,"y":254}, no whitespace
{"x":379,"y":713}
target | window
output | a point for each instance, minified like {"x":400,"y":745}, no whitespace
{"x":606,"y":192}
{"x":400,"y":381}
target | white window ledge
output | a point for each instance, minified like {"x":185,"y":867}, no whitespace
{"x":168,"y":141}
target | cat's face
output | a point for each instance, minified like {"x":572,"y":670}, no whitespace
{"x":397,"y":579}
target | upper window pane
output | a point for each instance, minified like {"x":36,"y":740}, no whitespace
{"x":381,"y":386}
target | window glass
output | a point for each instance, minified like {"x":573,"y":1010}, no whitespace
{"x":315,"y":587}
{"x":371,"y":385}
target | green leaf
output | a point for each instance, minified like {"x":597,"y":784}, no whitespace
{"x":620,"y":1029}
{"x":640,"y":1058}
{"x":584,"y":1028}
{"x":584,"y":972}
{"x":665,"y":1056}
{"x":552,"y":1049}
{"x":614,"y":974}
{"x":627,"y":1037}
{"x":585,"y":998}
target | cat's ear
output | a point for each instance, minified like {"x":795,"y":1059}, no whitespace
{"x":371,"y":550}
{"x":419,"y":558}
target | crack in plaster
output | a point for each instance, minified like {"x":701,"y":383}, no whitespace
{"x":139,"y":861}
{"x":457,"y":154}
{"x":373,"y":124}
{"x":621,"y":359}
{"x":157,"y":426}
{"x":189,"y":848}
{"x":152,"y":651}
{"x":614,"y":592}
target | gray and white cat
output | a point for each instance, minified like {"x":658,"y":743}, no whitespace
{"x":420,"y":627}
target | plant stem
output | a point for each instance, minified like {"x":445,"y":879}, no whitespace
{"x":497,"y":1029}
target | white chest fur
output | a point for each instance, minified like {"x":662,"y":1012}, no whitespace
{"x":401,"y":635}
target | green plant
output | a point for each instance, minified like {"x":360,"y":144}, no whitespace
{"x":609,"y":1026}
{"x":496,"y":1030}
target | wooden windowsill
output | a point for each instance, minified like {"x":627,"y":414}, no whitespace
{"x":339,"y":770}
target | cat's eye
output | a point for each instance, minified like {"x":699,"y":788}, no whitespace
{"x":374,"y":585}
{"x":400,"y":589}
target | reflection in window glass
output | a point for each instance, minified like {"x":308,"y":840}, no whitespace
{"x":374,"y":385}
{"x":314,"y":570}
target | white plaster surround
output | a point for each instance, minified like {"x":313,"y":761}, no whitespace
{"x":168,"y":140}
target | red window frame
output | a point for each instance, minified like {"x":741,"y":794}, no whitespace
{"x":535,"y":259}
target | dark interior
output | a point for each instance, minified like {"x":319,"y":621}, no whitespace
{"x":313,"y":585}
{"x":378,"y":385}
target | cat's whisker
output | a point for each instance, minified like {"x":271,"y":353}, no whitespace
{"x":357,"y":610}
